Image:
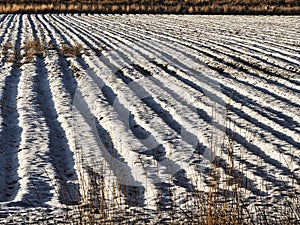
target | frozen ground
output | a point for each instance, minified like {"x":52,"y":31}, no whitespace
{"x":147,"y":104}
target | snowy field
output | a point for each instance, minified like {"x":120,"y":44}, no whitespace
{"x":150,"y":102}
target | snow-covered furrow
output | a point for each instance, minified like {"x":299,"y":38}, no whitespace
{"x":137,"y":130}
{"x":10,"y":137}
{"x":271,"y":36}
{"x":114,"y":57}
{"x":277,"y":164}
{"x":280,"y":91}
{"x":8,"y":39}
{"x":35,"y":169}
{"x":256,"y":52}
{"x":2,"y":18}
{"x":148,"y":103}
{"x":251,"y":117}
{"x":4,"y":55}
{"x":123,"y":77}
{"x":198,"y":29}
{"x":5,"y":28}
{"x":128,"y":80}
{"x":176,"y":33}
{"x":269,"y":57}
{"x":249,"y":62}
{"x":253,"y":23}
{"x":266,"y":86}
{"x":9,"y":128}
{"x":209,"y":42}
{"x":54,"y":38}
{"x":106,"y":149}
{"x":214,"y":53}
{"x":72,"y":39}
{"x":57,"y":110}
{"x":72,"y":122}
{"x":125,"y":141}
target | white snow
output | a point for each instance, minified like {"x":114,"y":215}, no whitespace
{"x":147,"y":99}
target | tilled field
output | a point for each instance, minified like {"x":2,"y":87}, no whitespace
{"x":148,"y":103}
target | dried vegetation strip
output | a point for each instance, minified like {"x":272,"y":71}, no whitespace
{"x":149,"y":6}
{"x":34,"y":47}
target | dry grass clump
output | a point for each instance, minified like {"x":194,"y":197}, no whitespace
{"x":7,"y":46}
{"x":14,"y":57}
{"x":12,"y":54}
{"x":25,"y":53}
{"x":33,"y":48}
{"x":9,"y":53}
{"x":71,"y":51}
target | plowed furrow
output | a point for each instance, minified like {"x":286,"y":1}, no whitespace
{"x":10,"y":130}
